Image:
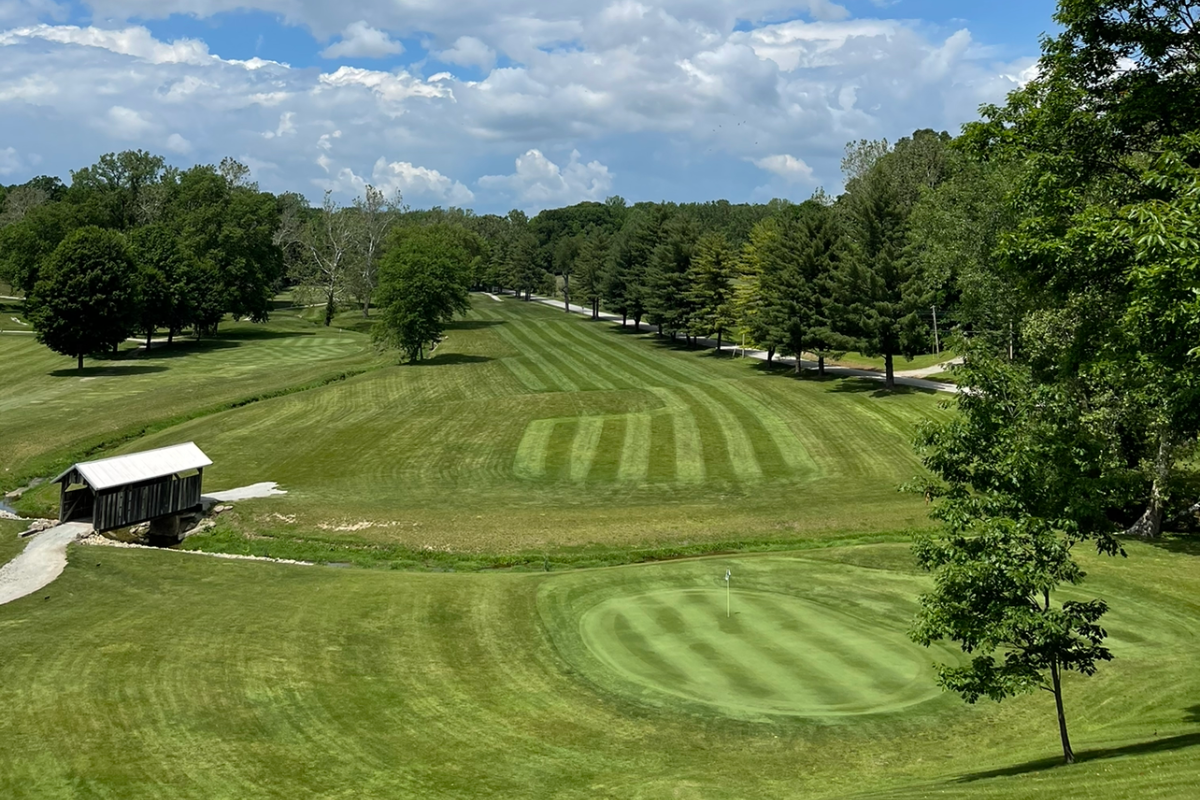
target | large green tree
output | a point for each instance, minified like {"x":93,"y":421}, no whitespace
{"x":710,"y":287}
{"x":424,"y":280}
{"x":883,"y":291}
{"x":86,"y":299}
{"x":1021,"y":475}
{"x":1104,"y":139}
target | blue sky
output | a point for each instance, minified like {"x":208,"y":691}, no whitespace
{"x":494,"y":104}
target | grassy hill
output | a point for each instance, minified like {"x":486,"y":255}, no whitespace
{"x":147,"y":675}
{"x":535,"y":440}
{"x":528,"y":431}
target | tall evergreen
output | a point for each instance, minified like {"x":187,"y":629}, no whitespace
{"x":710,"y":289}
{"x":668,"y":303}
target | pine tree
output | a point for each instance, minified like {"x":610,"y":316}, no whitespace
{"x":710,"y":291}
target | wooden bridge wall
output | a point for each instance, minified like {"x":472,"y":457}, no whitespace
{"x":130,"y":505}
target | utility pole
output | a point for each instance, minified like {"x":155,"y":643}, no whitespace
{"x":937,"y":344}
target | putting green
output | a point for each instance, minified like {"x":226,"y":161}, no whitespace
{"x":796,"y":643}
{"x":775,"y":654}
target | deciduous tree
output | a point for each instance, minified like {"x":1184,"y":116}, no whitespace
{"x":86,"y":299}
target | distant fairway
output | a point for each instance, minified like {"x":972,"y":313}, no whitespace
{"x":147,"y":675}
{"x":529,"y":431}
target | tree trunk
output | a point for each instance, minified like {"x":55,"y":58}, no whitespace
{"x":566,"y":293}
{"x":624,"y":318}
{"x":79,"y":362}
{"x":148,"y":335}
{"x":770,"y":355}
{"x":889,"y":381}
{"x":1149,"y":525}
{"x":1068,"y":754}
{"x":821,"y":366}
{"x":719,"y":332}
{"x":328,"y":310}
{"x":366,"y":308}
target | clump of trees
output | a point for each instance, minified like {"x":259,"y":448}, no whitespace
{"x":133,"y":246}
{"x":1070,"y":235}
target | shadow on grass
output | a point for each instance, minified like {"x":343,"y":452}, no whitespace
{"x":446,"y":359}
{"x":473,"y":324}
{"x":115,"y":371}
{"x":1163,"y":745}
{"x":854,"y":385}
{"x":1182,"y":544}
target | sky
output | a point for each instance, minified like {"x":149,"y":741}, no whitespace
{"x":499,"y":104}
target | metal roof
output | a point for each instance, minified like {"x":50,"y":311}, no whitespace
{"x":137,"y":467}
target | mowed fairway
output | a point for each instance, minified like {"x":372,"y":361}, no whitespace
{"x":148,"y":675}
{"x":532,"y":430}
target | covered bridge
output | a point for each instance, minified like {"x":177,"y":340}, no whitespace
{"x":127,"y":490}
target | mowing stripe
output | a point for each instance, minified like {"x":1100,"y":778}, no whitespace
{"x":583,"y":349}
{"x":662,"y":448}
{"x":740,"y":644}
{"x":530,"y":461}
{"x":558,"y":451}
{"x":793,"y":453}
{"x":703,"y":674}
{"x":549,"y":358}
{"x":523,"y":374}
{"x":662,"y":367}
{"x":631,"y":372}
{"x":710,"y":644}
{"x":538,"y":360}
{"x":870,"y":659}
{"x":606,"y":462}
{"x":583,"y":448}
{"x":637,"y":644}
{"x":550,"y":348}
{"x":689,"y":453}
{"x":819,"y":677}
{"x":737,"y":443}
{"x":635,"y":452}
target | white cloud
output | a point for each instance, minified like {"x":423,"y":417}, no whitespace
{"x":422,"y":183}
{"x":285,"y":127}
{"x":391,"y":87}
{"x":469,"y":52}
{"x":360,"y":40}
{"x":10,"y":161}
{"x":666,"y":87}
{"x":132,"y":41}
{"x":540,"y":183}
{"x":125,"y":123}
{"x":790,"y":168}
{"x":178,"y":144}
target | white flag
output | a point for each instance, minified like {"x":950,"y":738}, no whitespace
{"x":727,"y":576}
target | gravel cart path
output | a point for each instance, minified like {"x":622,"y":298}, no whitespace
{"x":43,"y":560}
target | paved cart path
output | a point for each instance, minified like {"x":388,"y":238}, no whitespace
{"x":42,"y":560}
{"x":45,"y":557}
{"x":913,"y":378}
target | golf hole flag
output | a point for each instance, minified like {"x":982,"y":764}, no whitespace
{"x":727,"y":576}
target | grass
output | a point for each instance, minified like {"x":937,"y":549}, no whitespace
{"x":54,"y":414}
{"x":147,"y":675}
{"x":531,"y":430}
{"x":900,"y":363}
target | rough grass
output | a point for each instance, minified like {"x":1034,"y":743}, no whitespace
{"x":54,"y":414}
{"x":531,"y":430}
{"x":900,"y":363}
{"x":148,"y":675}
